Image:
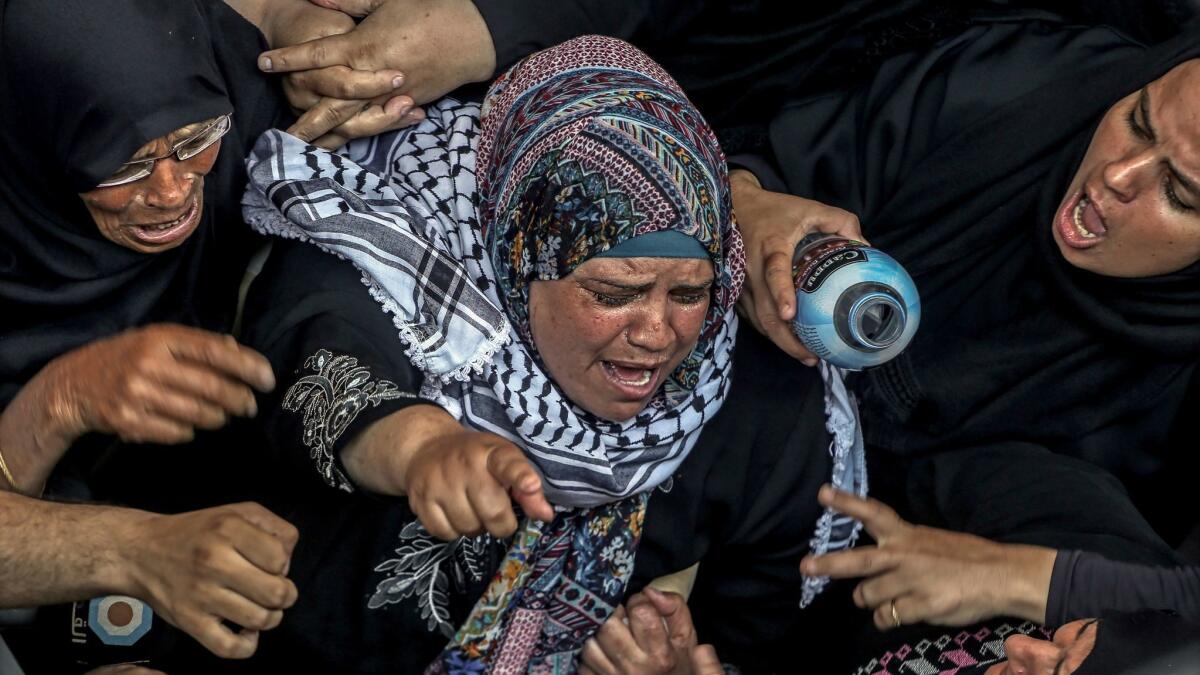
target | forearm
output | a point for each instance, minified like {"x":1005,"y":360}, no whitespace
{"x":34,"y":432}
{"x":377,"y":459}
{"x":52,"y":552}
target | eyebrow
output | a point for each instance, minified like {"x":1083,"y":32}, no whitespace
{"x":643,"y":287}
{"x":1186,"y":183}
{"x":1079,"y":634}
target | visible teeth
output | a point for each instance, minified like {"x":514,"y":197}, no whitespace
{"x":641,"y":380}
{"x":1078,"y":215}
{"x":645,"y":378}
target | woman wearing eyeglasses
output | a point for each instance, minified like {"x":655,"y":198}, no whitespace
{"x":123,"y":126}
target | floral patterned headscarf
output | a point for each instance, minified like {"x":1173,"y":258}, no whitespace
{"x":586,"y":146}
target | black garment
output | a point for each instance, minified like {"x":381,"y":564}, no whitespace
{"x":1144,"y":643}
{"x":960,"y":182}
{"x":84,"y":85}
{"x":745,"y":499}
{"x":1086,"y":585}
{"x":739,"y":60}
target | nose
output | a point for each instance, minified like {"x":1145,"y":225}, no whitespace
{"x":169,"y":184}
{"x":651,"y":329}
{"x":1125,"y":176}
{"x":1028,"y":656}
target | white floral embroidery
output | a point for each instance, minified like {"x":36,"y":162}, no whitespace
{"x":421,"y":570}
{"x":331,"y":399}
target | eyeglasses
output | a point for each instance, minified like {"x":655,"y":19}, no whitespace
{"x":183,"y":150}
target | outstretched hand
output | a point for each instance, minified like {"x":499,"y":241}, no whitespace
{"x":772,"y":224}
{"x":464,"y":483}
{"x":922,"y":574}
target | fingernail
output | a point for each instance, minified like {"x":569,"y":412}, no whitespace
{"x":809,"y":362}
{"x":397,"y":81}
{"x":264,"y":63}
{"x":652,"y":591}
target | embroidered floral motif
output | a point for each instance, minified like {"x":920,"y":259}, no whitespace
{"x":330,"y":401}
{"x":426,"y":567}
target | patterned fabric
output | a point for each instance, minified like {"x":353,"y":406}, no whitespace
{"x":590,"y":144}
{"x":836,"y":531}
{"x":330,"y":400}
{"x":627,"y":156}
{"x":558,"y":584}
{"x":956,"y":653}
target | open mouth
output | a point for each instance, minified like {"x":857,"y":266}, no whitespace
{"x":1080,"y":224}
{"x":171,"y":231}
{"x":636,"y":381}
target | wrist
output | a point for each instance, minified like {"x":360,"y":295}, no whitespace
{"x":480,"y":65}
{"x":1026,"y":585}
{"x":742,"y":178}
{"x":120,"y":559}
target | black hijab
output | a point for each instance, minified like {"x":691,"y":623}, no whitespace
{"x":86,"y":83}
{"x":956,"y":160}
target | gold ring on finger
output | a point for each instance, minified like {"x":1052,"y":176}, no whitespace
{"x":895,"y":615}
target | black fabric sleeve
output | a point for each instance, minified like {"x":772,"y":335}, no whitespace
{"x":522,"y":27}
{"x":1086,"y":585}
{"x":338,"y":360}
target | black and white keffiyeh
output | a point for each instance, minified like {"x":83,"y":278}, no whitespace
{"x":401,"y":207}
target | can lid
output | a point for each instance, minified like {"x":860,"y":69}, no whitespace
{"x":876,"y":320}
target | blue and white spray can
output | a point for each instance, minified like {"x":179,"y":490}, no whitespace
{"x":856,"y":307}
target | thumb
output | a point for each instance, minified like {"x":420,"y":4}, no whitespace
{"x":674,"y":610}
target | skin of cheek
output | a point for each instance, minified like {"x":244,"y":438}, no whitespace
{"x":574,"y":332}
{"x":155,"y":198}
{"x":1124,"y":175}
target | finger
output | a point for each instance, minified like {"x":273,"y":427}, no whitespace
{"x":905,"y":612}
{"x":268,"y":590}
{"x":333,"y":50}
{"x":879,"y":519}
{"x":433,"y":519}
{"x":864,"y":561}
{"x":327,"y":115}
{"x":125,"y":669}
{"x":618,"y":644}
{"x":148,"y":427}
{"x":509,"y":466}
{"x":204,"y":383}
{"x":343,"y":82}
{"x":594,"y":659}
{"x":839,"y":222}
{"x":461,"y":515}
{"x":223,"y":353}
{"x":375,"y":120}
{"x":220,"y":640}
{"x":784,"y":337}
{"x":878,"y":590}
{"x":681,"y":631}
{"x":263,"y":518}
{"x":648,"y":629}
{"x":236,"y":608}
{"x":187,"y":411}
{"x":777,"y":272}
{"x":351,"y":7}
{"x":493,"y":508}
{"x":706,"y":662}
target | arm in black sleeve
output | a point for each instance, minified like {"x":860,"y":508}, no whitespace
{"x":520,"y":28}
{"x":1086,"y":585}
{"x":338,"y":360}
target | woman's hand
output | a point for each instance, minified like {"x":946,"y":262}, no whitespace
{"x":460,"y":484}
{"x":148,"y":385}
{"x":652,"y":633}
{"x":439,"y":46}
{"x":203,"y":568}
{"x":931,"y":575}
{"x":772,"y":224}
{"x":157,"y":384}
{"x":337,"y":103}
